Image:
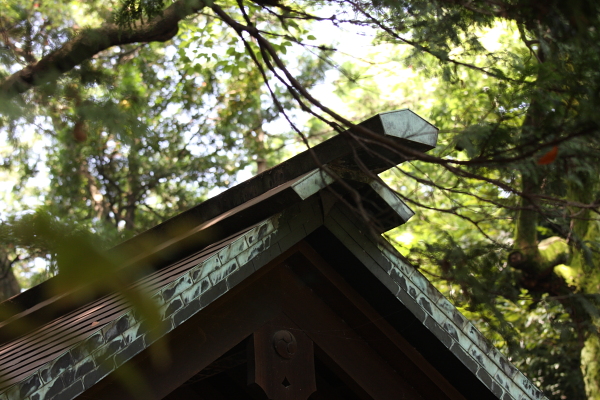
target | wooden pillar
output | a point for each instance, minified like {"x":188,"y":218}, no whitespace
{"x":281,"y":361}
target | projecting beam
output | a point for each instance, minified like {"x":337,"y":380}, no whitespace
{"x":407,"y":126}
{"x":402,"y":126}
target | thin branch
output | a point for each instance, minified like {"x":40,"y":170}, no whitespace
{"x":428,"y":50}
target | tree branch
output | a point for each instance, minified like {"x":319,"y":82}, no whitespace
{"x":92,"y":41}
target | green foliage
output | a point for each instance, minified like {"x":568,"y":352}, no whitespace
{"x":131,"y":11}
{"x":140,"y":132}
{"x":135,"y":136}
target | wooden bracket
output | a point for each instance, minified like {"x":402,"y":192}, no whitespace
{"x":281,"y":361}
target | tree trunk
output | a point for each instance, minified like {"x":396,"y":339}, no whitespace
{"x":586,"y":230}
{"x":133,"y":180}
{"x":261,"y":163}
{"x":538,"y":275}
{"x":8,"y":283}
{"x":526,"y":240}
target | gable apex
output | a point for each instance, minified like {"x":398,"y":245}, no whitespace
{"x":212,"y":274}
{"x":291,"y":259}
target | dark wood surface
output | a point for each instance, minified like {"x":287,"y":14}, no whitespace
{"x":372,"y":326}
{"x":342,"y":344}
{"x":371,"y":283}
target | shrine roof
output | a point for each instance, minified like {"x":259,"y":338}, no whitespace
{"x":221,"y":243}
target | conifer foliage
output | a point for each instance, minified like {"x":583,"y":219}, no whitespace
{"x":116,"y":115}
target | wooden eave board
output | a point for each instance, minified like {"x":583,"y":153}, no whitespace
{"x":25,"y":354}
{"x":397,"y":125}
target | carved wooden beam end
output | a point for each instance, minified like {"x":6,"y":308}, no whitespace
{"x":281,"y":361}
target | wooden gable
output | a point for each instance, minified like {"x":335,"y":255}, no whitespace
{"x":279,"y":292}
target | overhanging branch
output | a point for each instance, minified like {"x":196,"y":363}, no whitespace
{"x":92,"y":41}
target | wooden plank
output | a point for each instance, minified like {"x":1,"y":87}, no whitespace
{"x":349,"y":389}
